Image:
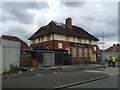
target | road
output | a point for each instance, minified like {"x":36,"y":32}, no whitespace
{"x":111,"y":82}
{"x":57,"y":79}
{"x":50,"y":80}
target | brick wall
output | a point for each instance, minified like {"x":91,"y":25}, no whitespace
{"x":50,"y":44}
{"x":27,"y":62}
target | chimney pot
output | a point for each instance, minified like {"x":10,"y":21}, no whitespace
{"x":114,"y":45}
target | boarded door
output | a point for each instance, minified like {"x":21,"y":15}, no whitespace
{"x":59,"y":58}
{"x":49,"y":59}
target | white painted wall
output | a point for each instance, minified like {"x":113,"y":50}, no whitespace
{"x":37,"y":40}
{"x":94,"y":42}
{"x":44,"y":39}
{"x":83,"y":40}
{"x":0,"y":56}
{"x":76,"y":40}
{"x":59,"y":37}
{"x":63,"y":38}
{"x":87,"y":41}
{"x":10,"y":54}
{"x":71,"y":39}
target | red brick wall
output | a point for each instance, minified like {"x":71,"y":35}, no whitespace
{"x":49,"y":43}
{"x":65,"y":45}
{"x":27,"y":62}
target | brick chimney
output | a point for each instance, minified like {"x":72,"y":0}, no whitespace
{"x":114,"y":45}
{"x":69,"y":23}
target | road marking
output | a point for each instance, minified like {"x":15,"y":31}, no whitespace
{"x":92,"y":71}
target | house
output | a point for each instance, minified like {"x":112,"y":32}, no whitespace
{"x":58,"y":36}
{"x":9,"y":54}
{"x":26,"y":60}
{"x":113,"y":50}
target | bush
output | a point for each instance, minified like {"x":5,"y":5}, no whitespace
{"x":13,"y":69}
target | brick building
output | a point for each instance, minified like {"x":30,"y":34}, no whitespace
{"x":58,"y":36}
{"x":113,"y":50}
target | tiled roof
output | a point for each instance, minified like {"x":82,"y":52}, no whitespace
{"x":113,"y":49}
{"x":60,"y":28}
{"x":14,"y":38}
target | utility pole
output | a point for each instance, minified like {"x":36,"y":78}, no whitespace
{"x":103,"y":41}
{"x":103,"y":54}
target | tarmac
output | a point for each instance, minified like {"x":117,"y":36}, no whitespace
{"x":102,"y":69}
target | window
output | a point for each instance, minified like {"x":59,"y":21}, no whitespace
{"x":36,"y":40}
{"x":60,"y":45}
{"x":74,"y":52}
{"x":67,"y":38}
{"x":87,"y":41}
{"x":79,"y":40}
{"x":41,"y":39}
{"x":90,"y":52}
{"x":71,"y":39}
{"x":76,"y":39}
{"x":83,"y":41}
{"x":48,"y":38}
{"x":95,"y":48}
{"x":44,"y":38}
{"x":85,"y":53}
{"x":93,"y":42}
{"x":80,"y":53}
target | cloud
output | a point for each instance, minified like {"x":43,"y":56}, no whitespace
{"x":73,"y":4}
{"x":119,"y":22}
{"x":24,"y":18}
{"x":21,"y":11}
{"x":15,"y":28}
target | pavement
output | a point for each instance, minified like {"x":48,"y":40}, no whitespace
{"x":86,"y":73}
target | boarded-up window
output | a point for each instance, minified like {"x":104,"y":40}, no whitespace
{"x":95,"y":48}
{"x":48,"y":38}
{"x":44,"y":38}
{"x":90,"y":52}
{"x":83,"y":40}
{"x":87,"y":41}
{"x":80,"y":53}
{"x":74,"y":52}
{"x":67,"y":38}
{"x":60,"y":45}
{"x":85,"y":53}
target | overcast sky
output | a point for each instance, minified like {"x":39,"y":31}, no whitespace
{"x":22,"y":19}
